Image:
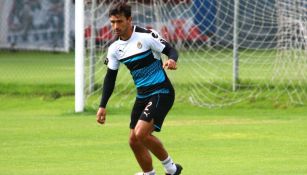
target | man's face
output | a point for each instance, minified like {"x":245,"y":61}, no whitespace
{"x":120,"y":24}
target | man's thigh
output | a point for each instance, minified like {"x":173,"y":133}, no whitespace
{"x":156,"y":110}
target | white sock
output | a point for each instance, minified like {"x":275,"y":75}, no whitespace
{"x":169,"y":165}
{"x":150,"y":173}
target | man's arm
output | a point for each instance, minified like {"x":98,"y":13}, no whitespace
{"x":172,"y":56}
{"x":108,"y":87}
{"x":158,"y":44}
{"x":170,"y":51}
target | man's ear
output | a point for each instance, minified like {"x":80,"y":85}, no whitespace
{"x":129,"y":19}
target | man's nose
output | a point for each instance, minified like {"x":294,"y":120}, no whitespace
{"x":116,"y":25}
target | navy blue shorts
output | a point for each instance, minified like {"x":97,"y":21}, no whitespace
{"x":151,"y":108}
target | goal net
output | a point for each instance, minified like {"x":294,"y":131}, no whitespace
{"x":231,"y":51}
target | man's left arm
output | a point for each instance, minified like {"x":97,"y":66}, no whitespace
{"x":172,"y":56}
{"x":160,"y":45}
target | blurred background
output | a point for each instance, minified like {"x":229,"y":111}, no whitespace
{"x":241,"y":87}
{"x":230,"y":51}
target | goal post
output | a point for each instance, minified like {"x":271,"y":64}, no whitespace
{"x":79,"y":56}
{"x":231,"y":51}
{"x":235,"y":72}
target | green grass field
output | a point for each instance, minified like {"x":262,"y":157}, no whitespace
{"x":41,"y":135}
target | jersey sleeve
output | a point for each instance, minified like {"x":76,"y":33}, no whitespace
{"x":155,"y":41}
{"x":112,"y":60}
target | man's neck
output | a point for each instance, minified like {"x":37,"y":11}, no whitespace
{"x":129,"y":33}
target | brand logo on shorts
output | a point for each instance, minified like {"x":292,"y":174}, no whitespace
{"x":146,"y":113}
{"x":139,"y":45}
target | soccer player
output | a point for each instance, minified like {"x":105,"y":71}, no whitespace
{"x":140,"y":50}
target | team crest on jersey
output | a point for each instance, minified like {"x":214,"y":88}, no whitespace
{"x":139,"y":45}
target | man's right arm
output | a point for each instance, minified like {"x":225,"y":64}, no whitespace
{"x":108,"y":87}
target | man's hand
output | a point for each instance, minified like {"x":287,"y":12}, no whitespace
{"x":101,"y":115}
{"x":170,"y":64}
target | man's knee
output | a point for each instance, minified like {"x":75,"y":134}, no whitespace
{"x":144,"y":137}
{"x":133,"y":141}
{"x":143,"y":130}
{"x":140,"y":135}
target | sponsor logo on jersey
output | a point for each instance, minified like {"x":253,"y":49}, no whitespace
{"x":162,"y":41}
{"x":154,"y":35}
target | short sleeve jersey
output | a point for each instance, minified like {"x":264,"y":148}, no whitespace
{"x":141,"y":53}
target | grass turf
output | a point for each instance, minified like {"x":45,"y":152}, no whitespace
{"x":36,"y":73}
{"x":42,"y":136}
{"x":40,"y":133}
{"x":205,"y":78}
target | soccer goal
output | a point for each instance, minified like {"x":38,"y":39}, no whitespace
{"x":231,"y":51}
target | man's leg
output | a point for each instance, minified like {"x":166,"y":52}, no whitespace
{"x":151,"y":119}
{"x":141,"y":152}
{"x":143,"y":132}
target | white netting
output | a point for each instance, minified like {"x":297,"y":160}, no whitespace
{"x":271,"y":42}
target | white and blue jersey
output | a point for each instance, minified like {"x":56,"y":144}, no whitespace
{"x":141,"y":53}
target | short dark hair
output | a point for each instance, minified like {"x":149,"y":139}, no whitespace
{"x":120,"y":8}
